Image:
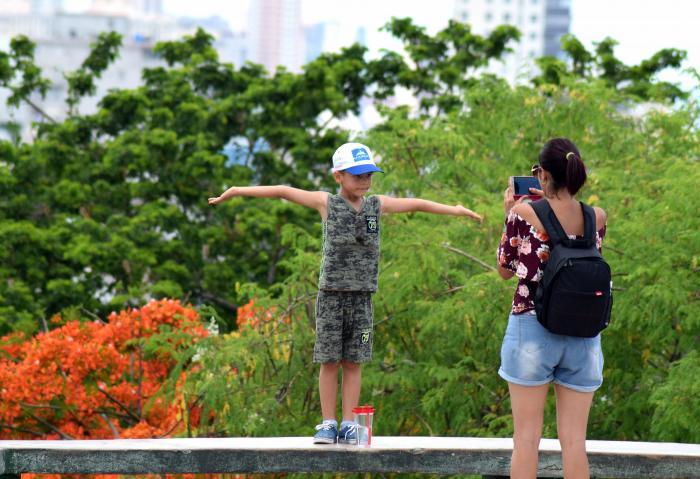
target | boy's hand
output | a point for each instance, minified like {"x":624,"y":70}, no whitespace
{"x":462,"y":211}
{"x":217,"y":200}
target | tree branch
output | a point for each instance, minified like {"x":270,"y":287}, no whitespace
{"x":20,"y":429}
{"x":484,"y":265}
{"x":425,"y":424}
{"x":39,"y":406}
{"x":49,"y":425}
{"x":116,"y":401}
{"x":110,"y":425}
{"x":614,"y":250}
{"x":219,"y":301}
{"x":44,"y":325}
{"x":449,"y":291}
{"x":92,"y":315}
{"x":39,"y":110}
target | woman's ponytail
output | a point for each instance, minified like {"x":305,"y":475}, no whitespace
{"x":575,"y":172}
{"x":562,"y":160}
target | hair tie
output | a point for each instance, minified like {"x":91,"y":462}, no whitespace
{"x":570,"y":155}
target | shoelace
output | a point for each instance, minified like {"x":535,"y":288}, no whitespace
{"x":325,"y":426}
{"x":352,"y":429}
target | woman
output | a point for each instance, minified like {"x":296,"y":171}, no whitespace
{"x":531,"y":356}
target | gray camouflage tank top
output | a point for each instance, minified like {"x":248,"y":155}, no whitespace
{"x":350,"y":259}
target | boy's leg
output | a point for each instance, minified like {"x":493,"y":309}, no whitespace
{"x":327,"y":431}
{"x":328,"y":388}
{"x":328,"y":348}
{"x":352,"y":381}
{"x":357,"y":349}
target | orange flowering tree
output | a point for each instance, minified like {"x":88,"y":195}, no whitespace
{"x":98,"y":380}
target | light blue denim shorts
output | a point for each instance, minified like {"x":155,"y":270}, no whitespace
{"x":532,"y":356}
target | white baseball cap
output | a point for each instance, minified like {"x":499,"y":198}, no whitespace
{"x":355,"y":158}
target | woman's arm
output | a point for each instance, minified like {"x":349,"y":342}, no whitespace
{"x":408,"y":205}
{"x":506,"y":252}
{"x":505,"y":273}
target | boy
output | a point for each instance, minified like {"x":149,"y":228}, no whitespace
{"x":349,"y":270}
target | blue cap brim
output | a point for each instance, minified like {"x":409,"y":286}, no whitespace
{"x":362,"y":169}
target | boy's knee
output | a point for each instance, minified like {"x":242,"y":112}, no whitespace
{"x":347,"y":365}
{"x":330,"y":366}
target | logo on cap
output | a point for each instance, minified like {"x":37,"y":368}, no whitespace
{"x":360,"y":154}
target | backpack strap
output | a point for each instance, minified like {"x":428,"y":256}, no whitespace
{"x":556,"y":232}
{"x":549,"y":220}
{"x":589,"y":223}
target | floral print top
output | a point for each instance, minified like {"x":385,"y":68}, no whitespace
{"x":524,"y":250}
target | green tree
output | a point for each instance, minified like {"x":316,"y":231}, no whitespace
{"x":441,"y":310}
{"x":639,"y":81}
{"x":109,"y":209}
{"x":441,"y":67}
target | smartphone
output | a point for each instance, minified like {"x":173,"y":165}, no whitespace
{"x":522,"y":185}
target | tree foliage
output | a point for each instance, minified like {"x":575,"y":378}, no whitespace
{"x":639,"y":81}
{"x":442,"y":67}
{"x":440,"y":313}
{"x":108,"y":210}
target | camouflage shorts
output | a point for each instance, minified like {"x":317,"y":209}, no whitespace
{"x":343,"y":326}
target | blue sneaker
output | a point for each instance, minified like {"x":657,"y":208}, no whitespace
{"x":348,"y":434}
{"x":326,"y":433}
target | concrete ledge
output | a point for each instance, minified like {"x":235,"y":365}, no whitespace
{"x":435,"y":455}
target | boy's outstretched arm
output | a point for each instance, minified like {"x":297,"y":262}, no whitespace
{"x":317,"y":200}
{"x":408,"y":205}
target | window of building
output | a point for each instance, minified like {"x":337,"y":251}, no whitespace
{"x":488,"y":16}
{"x":533,"y":18}
{"x":533,"y":35}
{"x":465,"y":16}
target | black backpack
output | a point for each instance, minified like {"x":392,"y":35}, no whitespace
{"x":574,"y":295}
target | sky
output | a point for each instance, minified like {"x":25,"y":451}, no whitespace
{"x":642,"y":27}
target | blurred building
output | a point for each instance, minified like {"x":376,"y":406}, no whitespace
{"x":127,"y":8}
{"x":45,"y":7}
{"x":331,"y":37}
{"x":63,"y":42}
{"x":542,"y":23}
{"x":313,"y":41}
{"x":275,"y":34}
